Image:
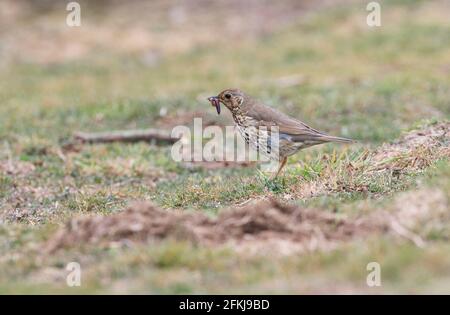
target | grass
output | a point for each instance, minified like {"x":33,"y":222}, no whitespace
{"x":366,"y":84}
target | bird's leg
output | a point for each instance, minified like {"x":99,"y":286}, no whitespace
{"x":280,"y":167}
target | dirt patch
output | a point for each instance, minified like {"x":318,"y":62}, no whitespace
{"x":421,"y":214}
{"x":16,"y":168}
{"x":422,"y":207}
{"x":262,"y":221}
{"x":24,"y":203}
{"x":262,"y":225}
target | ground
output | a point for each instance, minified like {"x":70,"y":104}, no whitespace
{"x":137,"y":221}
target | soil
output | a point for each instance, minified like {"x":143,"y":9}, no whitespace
{"x":264,"y":220}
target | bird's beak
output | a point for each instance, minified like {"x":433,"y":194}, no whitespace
{"x":215,"y":102}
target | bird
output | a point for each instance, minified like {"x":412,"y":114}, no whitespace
{"x":255,"y":122}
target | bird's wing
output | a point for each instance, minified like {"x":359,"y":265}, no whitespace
{"x":295,"y":129}
{"x":268,"y":116}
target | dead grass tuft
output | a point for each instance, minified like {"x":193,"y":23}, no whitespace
{"x":416,"y":150}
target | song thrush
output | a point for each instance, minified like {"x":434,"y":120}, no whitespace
{"x":255,"y":121}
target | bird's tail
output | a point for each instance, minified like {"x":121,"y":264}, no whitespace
{"x":327,"y":138}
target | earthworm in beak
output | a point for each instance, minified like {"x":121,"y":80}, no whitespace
{"x":215,"y":102}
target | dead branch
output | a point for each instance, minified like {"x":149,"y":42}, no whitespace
{"x":148,"y":135}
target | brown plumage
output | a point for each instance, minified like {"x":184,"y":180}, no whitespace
{"x":255,"y":120}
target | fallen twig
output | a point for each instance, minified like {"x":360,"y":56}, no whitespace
{"x":149,"y":135}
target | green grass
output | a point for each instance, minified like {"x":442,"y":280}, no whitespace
{"x":366,"y":84}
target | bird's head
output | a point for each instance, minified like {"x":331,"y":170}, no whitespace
{"x":231,"y":98}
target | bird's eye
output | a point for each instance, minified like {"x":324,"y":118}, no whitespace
{"x":227,"y":96}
